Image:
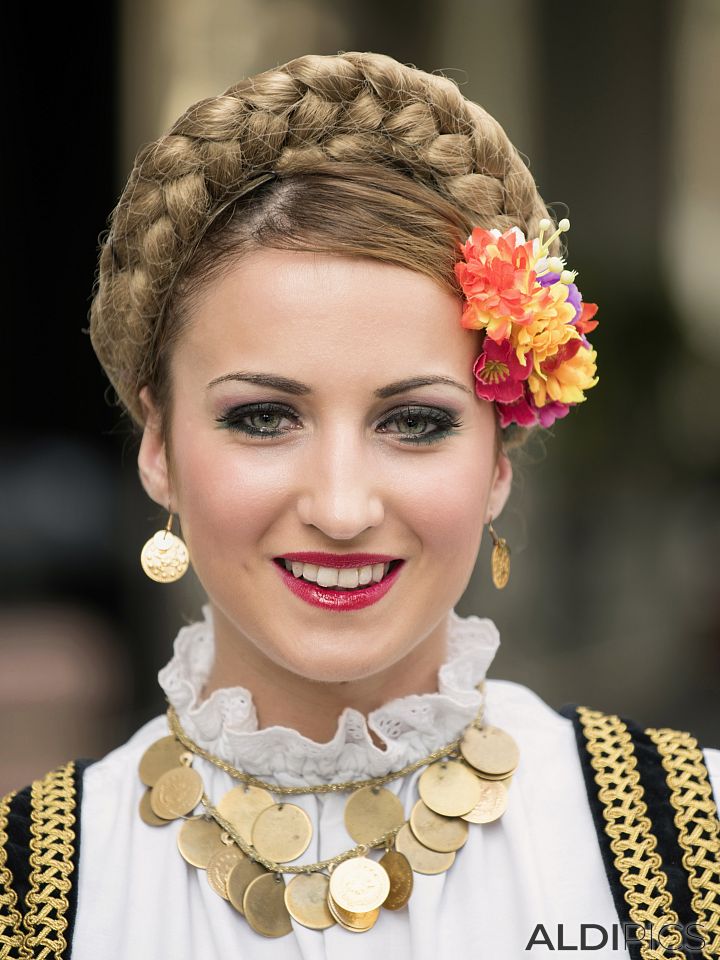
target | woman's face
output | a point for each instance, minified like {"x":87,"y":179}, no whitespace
{"x":346,"y":448}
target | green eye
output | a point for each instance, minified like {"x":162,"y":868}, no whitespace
{"x":417,"y":419}
{"x":258,"y":419}
{"x":265,"y":421}
{"x":415,"y":424}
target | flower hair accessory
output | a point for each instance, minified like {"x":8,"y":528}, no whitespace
{"x":536,"y":359}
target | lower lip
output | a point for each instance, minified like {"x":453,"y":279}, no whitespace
{"x":338,"y":599}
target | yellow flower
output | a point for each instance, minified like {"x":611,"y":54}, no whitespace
{"x":548,"y":331}
{"x":564,"y":377}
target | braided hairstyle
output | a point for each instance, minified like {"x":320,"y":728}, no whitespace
{"x":354,"y":154}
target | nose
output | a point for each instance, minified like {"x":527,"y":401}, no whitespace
{"x":340,"y":489}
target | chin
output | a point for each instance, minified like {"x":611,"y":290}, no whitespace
{"x":326,"y":662}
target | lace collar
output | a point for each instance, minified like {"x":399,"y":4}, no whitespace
{"x":410,"y":727}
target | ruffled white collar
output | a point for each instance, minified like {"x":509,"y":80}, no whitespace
{"x":410,"y":727}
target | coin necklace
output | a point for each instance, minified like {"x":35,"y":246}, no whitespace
{"x":247,"y":841}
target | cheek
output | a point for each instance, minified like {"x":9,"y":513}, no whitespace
{"x":446,"y":506}
{"x":228,"y":501}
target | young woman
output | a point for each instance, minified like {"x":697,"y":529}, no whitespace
{"x":332,"y":301}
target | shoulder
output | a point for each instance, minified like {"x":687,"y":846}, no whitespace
{"x":674,"y":749}
{"x":116,"y":765}
{"x":586,"y":732}
{"x":39,"y":848}
{"x":41,"y":838}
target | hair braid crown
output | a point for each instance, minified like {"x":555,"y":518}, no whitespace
{"x":354,"y":108}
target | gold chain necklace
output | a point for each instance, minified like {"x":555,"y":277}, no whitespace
{"x":247,"y":841}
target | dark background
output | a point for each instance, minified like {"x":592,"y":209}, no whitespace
{"x":614,"y":523}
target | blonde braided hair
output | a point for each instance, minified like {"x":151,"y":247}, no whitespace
{"x":415,"y":161}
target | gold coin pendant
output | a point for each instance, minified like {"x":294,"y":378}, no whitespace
{"x":198,"y":840}
{"x":146,"y":811}
{"x":306,"y":898}
{"x":282,"y":832}
{"x":161,"y":756}
{"x":443,"y":834}
{"x":239,"y":879}
{"x":505,"y":777}
{"x":220,"y":866}
{"x":449,"y":788}
{"x":489,"y":750}
{"x":359,"y":885}
{"x":492,"y":803}
{"x":164,"y":557}
{"x":264,"y":906}
{"x":241,"y":805}
{"x":177,"y":793}
{"x":354,"y":922}
{"x":420,"y":857}
{"x":371,"y":812}
{"x":500,"y":563}
{"x":397,"y":867}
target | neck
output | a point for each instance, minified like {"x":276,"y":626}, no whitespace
{"x":284,"y":698}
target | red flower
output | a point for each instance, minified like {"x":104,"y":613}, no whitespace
{"x":564,"y":353}
{"x":585,"y":323}
{"x":521,"y":412}
{"x":526,"y":414}
{"x":499,"y":375}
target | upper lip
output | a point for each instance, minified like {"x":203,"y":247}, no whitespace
{"x":338,"y":559}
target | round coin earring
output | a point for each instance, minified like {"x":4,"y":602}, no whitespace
{"x":164,"y":557}
{"x":500,"y":560}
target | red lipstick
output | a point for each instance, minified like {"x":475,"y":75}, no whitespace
{"x":330,"y":599}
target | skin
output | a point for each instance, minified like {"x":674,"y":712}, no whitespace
{"x":339,"y":478}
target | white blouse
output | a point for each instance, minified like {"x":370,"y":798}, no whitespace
{"x":540,"y":864}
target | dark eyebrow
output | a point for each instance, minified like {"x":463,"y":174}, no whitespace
{"x":265,"y":380}
{"x":399,"y":386}
{"x":288,"y":385}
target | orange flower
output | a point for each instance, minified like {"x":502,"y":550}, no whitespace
{"x":500,"y":286}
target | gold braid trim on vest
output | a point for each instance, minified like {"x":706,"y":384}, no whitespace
{"x":628,"y":826}
{"x":697,"y":824}
{"x":11,"y":938}
{"x":52,"y":845}
{"x":40,"y":933}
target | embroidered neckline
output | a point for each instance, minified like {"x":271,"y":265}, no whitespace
{"x":409,"y":727}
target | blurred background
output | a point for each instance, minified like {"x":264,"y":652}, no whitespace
{"x":614,"y":522}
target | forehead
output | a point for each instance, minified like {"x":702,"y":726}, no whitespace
{"x":327,"y":318}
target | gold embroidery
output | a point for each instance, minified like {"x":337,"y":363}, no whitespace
{"x":52,"y":845}
{"x":698,"y":829}
{"x":631,"y":838}
{"x":11,"y":937}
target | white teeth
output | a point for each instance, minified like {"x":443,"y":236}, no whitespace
{"x":347,"y":578}
{"x":327,"y":577}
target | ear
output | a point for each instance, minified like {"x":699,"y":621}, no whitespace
{"x":499,"y":488}
{"x":152,"y":459}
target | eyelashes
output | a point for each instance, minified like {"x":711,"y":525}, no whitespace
{"x":262,"y":420}
{"x":444,"y":423}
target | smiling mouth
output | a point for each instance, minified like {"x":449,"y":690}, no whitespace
{"x":337,"y":589}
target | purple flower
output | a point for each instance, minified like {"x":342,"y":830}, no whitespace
{"x":575,"y":299}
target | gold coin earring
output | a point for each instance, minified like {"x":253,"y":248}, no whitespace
{"x":500,"y":560}
{"x":164,"y":557}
